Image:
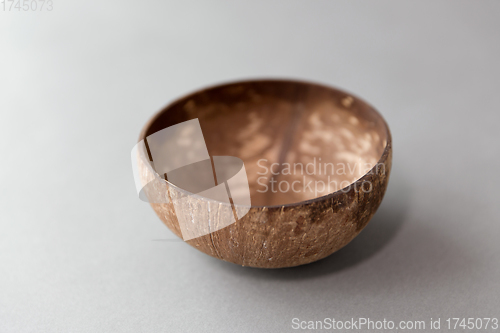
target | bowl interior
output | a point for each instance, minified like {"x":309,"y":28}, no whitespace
{"x":298,"y":141}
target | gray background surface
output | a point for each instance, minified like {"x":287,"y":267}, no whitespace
{"x":78,"y":250}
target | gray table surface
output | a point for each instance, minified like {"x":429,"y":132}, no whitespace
{"x":80,"y":253}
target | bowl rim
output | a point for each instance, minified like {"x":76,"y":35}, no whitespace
{"x":383,"y":158}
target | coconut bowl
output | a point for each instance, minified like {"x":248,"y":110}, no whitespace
{"x":317,"y":160}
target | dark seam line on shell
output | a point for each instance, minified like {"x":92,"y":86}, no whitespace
{"x":173,"y":208}
{"x":147,"y":149}
{"x":233,"y":209}
{"x":211,"y":234}
{"x":231,"y":202}
{"x":213,"y":170}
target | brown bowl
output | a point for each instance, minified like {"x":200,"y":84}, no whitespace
{"x":278,"y":128}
